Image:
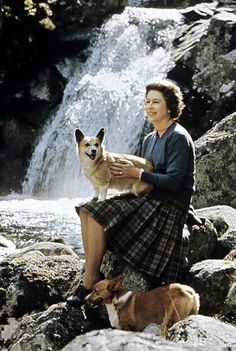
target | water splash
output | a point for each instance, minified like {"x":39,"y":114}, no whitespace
{"x":130,"y":50}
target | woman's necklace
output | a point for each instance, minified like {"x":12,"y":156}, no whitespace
{"x":160,"y":132}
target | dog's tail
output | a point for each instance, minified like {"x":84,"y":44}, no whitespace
{"x":195,"y":304}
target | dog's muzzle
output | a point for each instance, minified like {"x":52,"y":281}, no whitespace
{"x":92,"y":156}
{"x":94,"y":303}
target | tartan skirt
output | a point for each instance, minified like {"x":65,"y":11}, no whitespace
{"x":146,"y":232}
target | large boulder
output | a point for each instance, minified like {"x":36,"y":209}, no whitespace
{"x":54,"y":328}
{"x":29,"y":283}
{"x":132,"y":279}
{"x":202,"y":242}
{"x":212,"y":279}
{"x":113,"y":340}
{"x":223,"y":219}
{"x":208,"y":332}
{"x":216,"y":166}
{"x":205,"y":66}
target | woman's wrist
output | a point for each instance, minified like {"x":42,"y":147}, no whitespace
{"x":140,"y":174}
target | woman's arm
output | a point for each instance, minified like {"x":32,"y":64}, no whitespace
{"x":177,"y":158}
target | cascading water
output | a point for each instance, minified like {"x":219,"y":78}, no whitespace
{"x":130,"y":50}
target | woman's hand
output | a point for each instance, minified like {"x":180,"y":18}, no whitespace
{"x":122,"y":168}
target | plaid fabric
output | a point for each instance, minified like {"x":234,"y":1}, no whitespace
{"x":145,"y":231}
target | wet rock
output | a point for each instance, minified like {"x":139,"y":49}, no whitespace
{"x":47,"y":248}
{"x":208,"y":332}
{"x":215,"y":153}
{"x":34,"y":283}
{"x":212,"y":279}
{"x":112,"y":340}
{"x":6,"y":247}
{"x":199,"y":11}
{"x":54,"y":328}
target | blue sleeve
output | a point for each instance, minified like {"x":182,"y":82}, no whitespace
{"x":177,"y":156}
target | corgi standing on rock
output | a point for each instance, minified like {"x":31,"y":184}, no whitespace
{"x":95,"y":160}
{"x":164,"y":305}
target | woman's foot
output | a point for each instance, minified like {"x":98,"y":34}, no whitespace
{"x":77,"y":299}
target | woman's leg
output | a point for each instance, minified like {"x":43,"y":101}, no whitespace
{"x":84,"y":225}
{"x":94,"y":241}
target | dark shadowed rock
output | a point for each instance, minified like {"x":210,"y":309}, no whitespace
{"x":208,"y":332}
{"x":54,"y":328}
{"x":230,"y":301}
{"x":202,"y":242}
{"x":223,"y":219}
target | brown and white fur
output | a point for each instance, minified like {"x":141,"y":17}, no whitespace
{"x":134,"y":311}
{"x":95,"y":160}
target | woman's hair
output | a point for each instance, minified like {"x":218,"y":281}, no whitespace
{"x":172,"y":95}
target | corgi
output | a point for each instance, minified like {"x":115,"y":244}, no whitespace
{"x":95,"y":160}
{"x":127,"y":310}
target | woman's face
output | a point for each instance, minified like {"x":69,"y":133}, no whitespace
{"x":156,"y":107}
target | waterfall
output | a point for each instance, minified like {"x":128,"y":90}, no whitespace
{"x":130,"y":50}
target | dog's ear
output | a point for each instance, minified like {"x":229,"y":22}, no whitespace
{"x":101,"y":134}
{"x":115,"y":283}
{"x":78,"y":135}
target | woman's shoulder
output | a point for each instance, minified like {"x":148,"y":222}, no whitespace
{"x":179,"y":131}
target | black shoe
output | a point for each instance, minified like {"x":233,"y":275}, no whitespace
{"x":77,"y":299}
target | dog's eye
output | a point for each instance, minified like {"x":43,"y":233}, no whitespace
{"x":96,"y":144}
{"x":87,"y":144}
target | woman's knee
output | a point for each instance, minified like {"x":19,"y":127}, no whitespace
{"x":81,"y":212}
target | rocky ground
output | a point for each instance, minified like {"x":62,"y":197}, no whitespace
{"x":36,"y":280}
{"x":32,"y":84}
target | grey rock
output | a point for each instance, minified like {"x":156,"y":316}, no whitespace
{"x":208,"y":332}
{"x":230,"y":301}
{"x":212,"y":279}
{"x":216,"y":166}
{"x":152,"y":328}
{"x":49,"y":330}
{"x":202,"y":242}
{"x":54,"y":328}
{"x":113,"y":340}
{"x":205,"y":66}
{"x":132,"y":279}
{"x":6,"y":247}
{"x":224,"y":220}
{"x":34,"y":283}
{"x":47,"y":248}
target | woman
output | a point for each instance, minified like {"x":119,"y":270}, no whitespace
{"x":146,"y":231}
